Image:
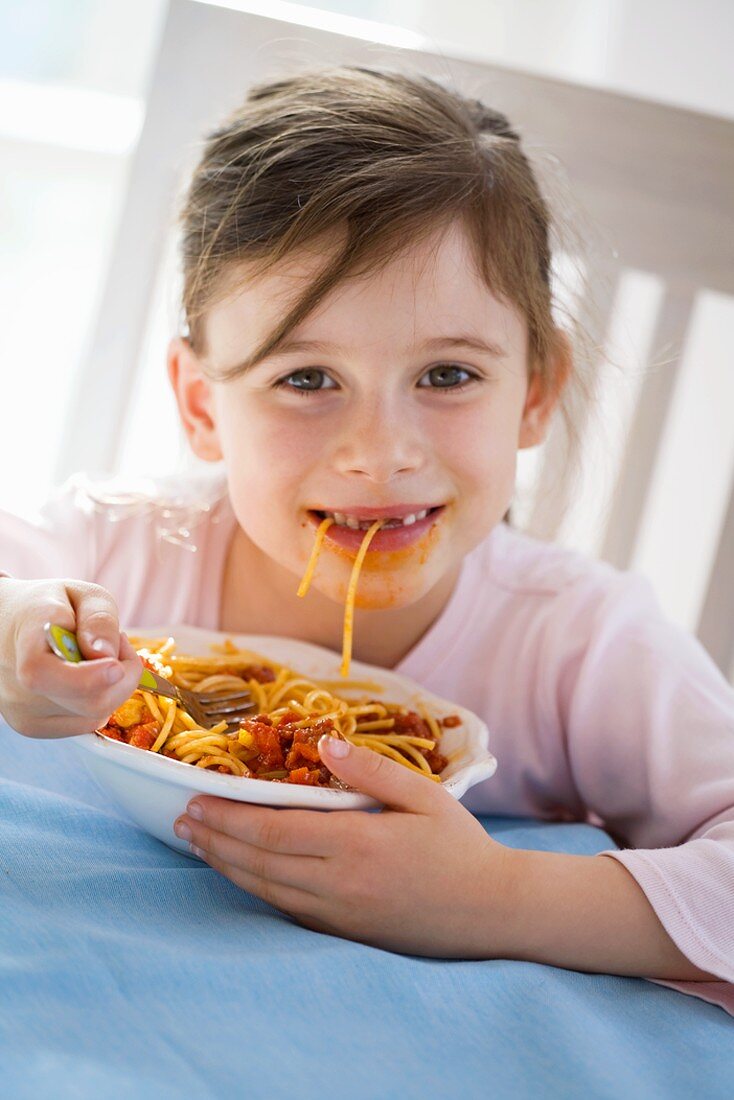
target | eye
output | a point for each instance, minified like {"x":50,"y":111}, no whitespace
{"x":307,"y":381}
{"x":446,"y":377}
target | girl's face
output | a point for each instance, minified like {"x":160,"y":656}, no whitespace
{"x":405,"y":390}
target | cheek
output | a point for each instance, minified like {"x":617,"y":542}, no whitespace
{"x":268,"y":453}
{"x":480,"y":446}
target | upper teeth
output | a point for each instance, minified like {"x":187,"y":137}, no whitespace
{"x":352,"y":521}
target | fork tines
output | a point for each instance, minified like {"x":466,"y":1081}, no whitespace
{"x":227,"y":706}
{"x":238,"y":696}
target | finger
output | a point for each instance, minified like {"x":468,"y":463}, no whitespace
{"x":92,"y":688}
{"x":52,"y":605}
{"x":393,"y":784}
{"x":291,"y":832}
{"x":303,"y":872}
{"x":97,"y":620}
{"x":98,"y":700}
{"x":38,"y":669}
{"x":288,"y":899}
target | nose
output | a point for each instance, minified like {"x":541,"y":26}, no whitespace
{"x":379,"y":439}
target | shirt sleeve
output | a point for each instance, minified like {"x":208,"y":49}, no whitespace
{"x":157,"y":545}
{"x":649,"y":726}
{"x":58,"y":541}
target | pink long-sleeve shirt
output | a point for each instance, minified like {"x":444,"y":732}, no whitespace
{"x":599,"y":709}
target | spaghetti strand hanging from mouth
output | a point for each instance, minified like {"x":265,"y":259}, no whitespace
{"x":351,"y":596}
{"x":303,"y":587}
{"x":321,"y":531}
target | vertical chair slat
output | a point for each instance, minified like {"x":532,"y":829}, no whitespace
{"x":647,"y":428}
{"x":716,"y":624}
{"x":108,"y":371}
{"x":554,"y":489}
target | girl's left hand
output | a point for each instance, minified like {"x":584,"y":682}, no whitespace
{"x":420,"y":877}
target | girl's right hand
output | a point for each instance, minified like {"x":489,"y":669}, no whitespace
{"x":43,"y":696}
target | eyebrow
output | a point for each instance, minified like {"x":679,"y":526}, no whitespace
{"x":290,"y":346}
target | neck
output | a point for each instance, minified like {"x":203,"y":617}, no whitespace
{"x":259,"y":597}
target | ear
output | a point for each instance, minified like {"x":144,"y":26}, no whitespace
{"x":544,"y":392}
{"x":194,"y":398}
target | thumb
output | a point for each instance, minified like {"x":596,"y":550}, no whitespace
{"x":369,"y":771}
{"x":97,"y":623}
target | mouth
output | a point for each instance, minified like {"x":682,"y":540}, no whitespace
{"x":404,"y":525}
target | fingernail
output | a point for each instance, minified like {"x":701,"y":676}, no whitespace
{"x":181,"y":829}
{"x":197,"y":851}
{"x":194,"y":810}
{"x":101,"y":645}
{"x":334,"y":746}
{"x":114,"y":674}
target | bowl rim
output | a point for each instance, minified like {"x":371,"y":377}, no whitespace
{"x":480,"y":766}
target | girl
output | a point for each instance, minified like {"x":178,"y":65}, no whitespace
{"x":366,"y":286}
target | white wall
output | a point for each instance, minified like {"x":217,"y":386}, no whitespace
{"x":672,"y":51}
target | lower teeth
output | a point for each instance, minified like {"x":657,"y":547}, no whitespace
{"x":366,"y":526}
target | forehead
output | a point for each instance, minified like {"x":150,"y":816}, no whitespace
{"x":427,"y":287}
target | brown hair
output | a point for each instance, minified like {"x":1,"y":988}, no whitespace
{"x":381,"y":157}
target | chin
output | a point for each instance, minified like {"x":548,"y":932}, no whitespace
{"x":386,"y":593}
{"x":386,"y":601}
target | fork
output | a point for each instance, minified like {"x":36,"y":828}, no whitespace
{"x":206,"y":710}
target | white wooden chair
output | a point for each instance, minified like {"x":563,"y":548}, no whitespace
{"x":653,"y":190}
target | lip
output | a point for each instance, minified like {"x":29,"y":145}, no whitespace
{"x":394,"y":538}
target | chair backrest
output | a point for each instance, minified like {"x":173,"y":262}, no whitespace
{"x":653,"y":194}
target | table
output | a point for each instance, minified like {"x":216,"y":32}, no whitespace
{"x":129,"y":970}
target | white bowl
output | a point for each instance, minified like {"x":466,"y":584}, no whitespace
{"x":154,"y":790}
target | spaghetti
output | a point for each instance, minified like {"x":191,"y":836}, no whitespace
{"x":280,"y":742}
{"x":320,"y":532}
{"x":353,"y":581}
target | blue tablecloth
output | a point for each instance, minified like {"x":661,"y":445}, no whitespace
{"x":131,"y":971}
